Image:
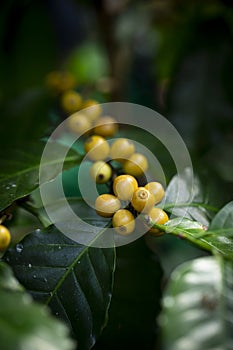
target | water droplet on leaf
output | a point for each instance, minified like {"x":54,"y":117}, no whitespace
{"x":19,"y":247}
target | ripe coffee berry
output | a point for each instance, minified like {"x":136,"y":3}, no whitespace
{"x":121,"y":150}
{"x":106,"y":126}
{"x":97,"y":148}
{"x":106,"y":205}
{"x":71,"y":101}
{"x":157,"y":190}
{"x":92,"y":109}
{"x":123,"y":222}
{"x":5,"y":238}
{"x":124,"y":187}
{"x":136,"y":165}
{"x":101,"y":172}
{"x":142,"y":201}
{"x":78,"y":123}
{"x":158,"y":216}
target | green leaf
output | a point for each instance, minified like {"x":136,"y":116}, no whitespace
{"x":185,"y":225}
{"x":25,"y":324}
{"x":20,"y":171}
{"x":58,"y":209}
{"x":218,"y":239}
{"x":136,"y":299}
{"x":7,"y":281}
{"x":227,"y":291}
{"x":193,"y":314}
{"x":73,"y":279}
{"x":185,"y":198}
{"x":224,"y":218}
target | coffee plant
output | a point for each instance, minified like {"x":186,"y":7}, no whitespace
{"x":164,"y":278}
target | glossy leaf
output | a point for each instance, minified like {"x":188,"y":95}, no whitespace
{"x":74,"y":280}
{"x":224,"y":218}
{"x":218,"y":239}
{"x":227,"y":279}
{"x":184,"y":197}
{"x":20,"y":171}
{"x":136,"y":299}
{"x":58,"y":209}
{"x":24,"y":323}
{"x":193,"y":314}
{"x":185,"y":225}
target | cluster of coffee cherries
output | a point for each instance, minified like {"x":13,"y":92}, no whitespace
{"x":127,"y":198}
{"x":84,"y":113}
{"x":134,"y":199}
{"x":5,"y":238}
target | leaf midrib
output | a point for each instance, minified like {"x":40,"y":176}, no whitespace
{"x":69,"y":269}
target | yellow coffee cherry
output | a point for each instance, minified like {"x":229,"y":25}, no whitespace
{"x":158,"y":216}
{"x":97,"y":148}
{"x":106,"y":126}
{"x":142,"y":201}
{"x":123,"y":222}
{"x":5,"y":238}
{"x":106,"y":205}
{"x":121,"y":150}
{"x":101,"y":172}
{"x":124,"y":187}
{"x":78,"y":123}
{"x":93,"y":109}
{"x":60,"y":81}
{"x":71,"y":101}
{"x":157,"y":190}
{"x":136,"y":165}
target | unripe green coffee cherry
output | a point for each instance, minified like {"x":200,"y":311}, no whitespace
{"x":121,"y":150}
{"x":106,"y":126}
{"x":5,"y":238}
{"x":124,"y":187}
{"x":101,"y":172}
{"x":142,"y":201}
{"x":97,"y":148}
{"x":157,"y":190}
{"x":123,"y":222}
{"x":78,"y":123}
{"x":136,"y":165}
{"x":106,"y":205}
{"x":158,"y":216}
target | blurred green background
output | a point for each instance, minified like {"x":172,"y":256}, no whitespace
{"x":173,"y":56}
